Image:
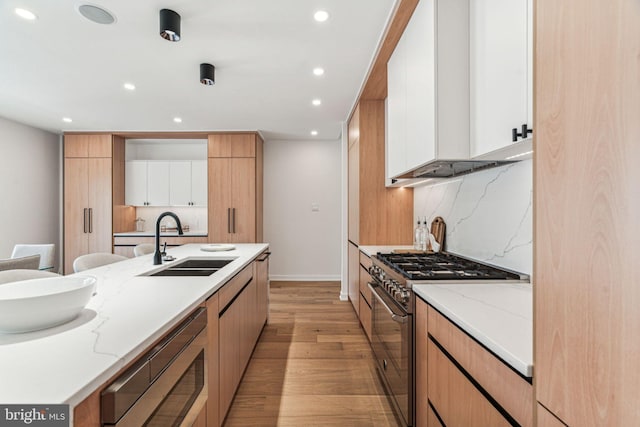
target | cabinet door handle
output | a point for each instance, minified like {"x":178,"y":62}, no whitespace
{"x":84,"y":220}
{"x":523,"y":133}
{"x":234,"y":220}
{"x":229,"y":220}
{"x":90,"y":220}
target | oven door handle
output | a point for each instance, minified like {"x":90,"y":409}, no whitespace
{"x":395,"y":316}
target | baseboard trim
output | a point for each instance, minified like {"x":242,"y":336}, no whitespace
{"x":344,"y":296}
{"x":288,"y":278}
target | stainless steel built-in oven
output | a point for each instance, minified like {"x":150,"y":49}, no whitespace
{"x":161,"y":389}
{"x":392,"y":343}
{"x":393,"y":304}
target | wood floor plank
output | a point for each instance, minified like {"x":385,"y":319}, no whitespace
{"x":312,"y":366}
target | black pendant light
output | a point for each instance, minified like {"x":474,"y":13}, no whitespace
{"x":169,"y":25}
{"x":207,"y":74}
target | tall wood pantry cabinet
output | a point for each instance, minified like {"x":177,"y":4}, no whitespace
{"x":88,"y":204}
{"x":587,"y":213}
{"x":235,"y":187}
{"x":377,"y":215}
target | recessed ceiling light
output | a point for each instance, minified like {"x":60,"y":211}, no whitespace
{"x":321,"y":15}
{"x":316,"y":102}
{"x":314,"y":132}
{"x":66,"y":120}
{"x":96,"y":14}
{"x":177,"y":119}
{"x":318,"y":71}
{"x":129,"y":86}
{"x":25,"y":14}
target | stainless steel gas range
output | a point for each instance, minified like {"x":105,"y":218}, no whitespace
{"x":393,"y":304}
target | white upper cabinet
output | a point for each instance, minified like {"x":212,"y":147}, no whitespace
{"x":188,"y":183}
{"x":428,"y":88}
{"x":199,"y":180}
{"x":135,"y":183}
{"x":501,"y":72}
{"x":157,"y":183}
{"x":146,"y":183}
{"x":180,"y":183}
{"x":166,"y":183}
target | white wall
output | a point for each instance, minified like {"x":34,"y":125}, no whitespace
{"x":305,"y":245}
{"x":488,"y":214}
{"x":30,"y":189}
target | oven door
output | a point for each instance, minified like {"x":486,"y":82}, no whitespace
{"x":391,"y":340}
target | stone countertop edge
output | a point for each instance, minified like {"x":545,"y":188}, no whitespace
{"x":65,"y":364}
{"x":498,"y":315}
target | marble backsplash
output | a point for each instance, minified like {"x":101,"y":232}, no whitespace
{"x":488,"y":214}
{"x":195,"y":217}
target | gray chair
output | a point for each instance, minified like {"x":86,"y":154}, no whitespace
{"x":46,"y":251}
{"x":9,"y":276}
{"x":86,"y":262}
{"x":31,"y":262}
{"x":144,"y":249}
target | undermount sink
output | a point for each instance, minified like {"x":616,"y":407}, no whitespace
{"x":193,"y":267}
{"x":31,"y":305}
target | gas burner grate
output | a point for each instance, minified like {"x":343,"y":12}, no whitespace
{"x":442,"y":266}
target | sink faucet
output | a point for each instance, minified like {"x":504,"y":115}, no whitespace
{"x":157,"y":257}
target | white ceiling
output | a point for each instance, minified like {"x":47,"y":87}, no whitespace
{"x":264,"y":51}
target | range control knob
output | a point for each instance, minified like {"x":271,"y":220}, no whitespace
{"x":404,"y":296}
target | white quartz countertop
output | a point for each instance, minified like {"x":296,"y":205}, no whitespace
{"x":500,"y":316}
{"x":372,"y":250}
{"x":66,"y":363}
{"x":162,"y":234}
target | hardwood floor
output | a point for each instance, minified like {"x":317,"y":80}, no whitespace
{"x":312,"y":365}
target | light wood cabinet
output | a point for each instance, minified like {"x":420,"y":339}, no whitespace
{"x":213,"y":361}
{"x":88,"y":208}
{"x":365,"y":294}
{"x":232,"y":145}
{"x":239,"y":330}
{"x":83,"y":146}
{"x":261,"y":276}
{"x":354,"y":277}
{"x":377,"y":215}
{"x":428,"y":88}
{"x":456,"y":400}
{"x":501,"y":72}
{"x":422,"y":418}
{"x":586,"y":175}
{"x":235,"y":189}
{"x":461,"y":381}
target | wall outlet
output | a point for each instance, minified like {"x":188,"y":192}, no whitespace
{"x":315,"y":207}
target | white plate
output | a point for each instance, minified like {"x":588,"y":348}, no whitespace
{"x":217,"y":248}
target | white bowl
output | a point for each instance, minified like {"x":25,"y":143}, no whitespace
{"x":31,"y":305}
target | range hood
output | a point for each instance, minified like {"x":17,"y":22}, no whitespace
{"x":448,"y":168}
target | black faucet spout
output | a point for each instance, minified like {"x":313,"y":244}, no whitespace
{"x":157,"y":256}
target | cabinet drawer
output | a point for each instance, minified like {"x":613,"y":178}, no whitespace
{"x":509,"y":389}
{"x":365,"y":261}
{"x":364,"y":288}
{"x":365,"y":317}
{"x":235,"y":285}
{"x":456,"y":399}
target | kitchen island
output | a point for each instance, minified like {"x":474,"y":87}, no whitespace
{"x":130,"y":312}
